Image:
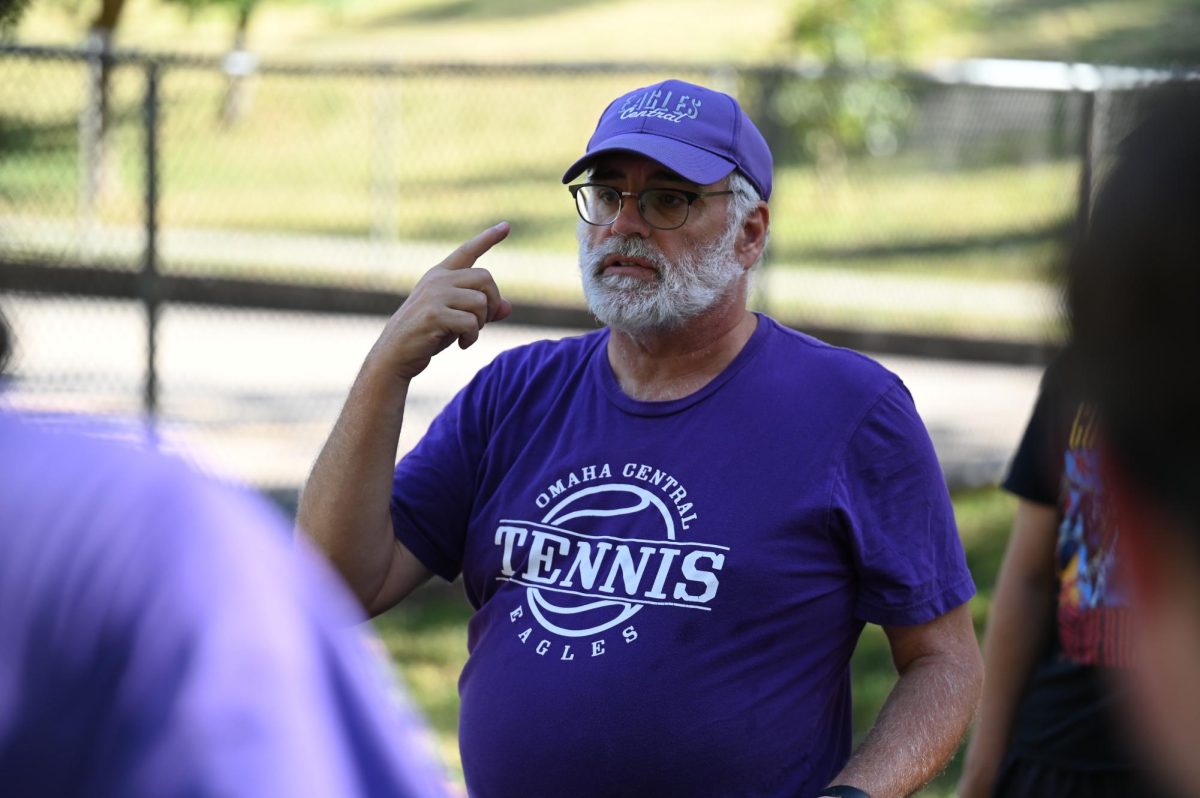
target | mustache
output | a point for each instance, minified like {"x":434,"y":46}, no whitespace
{"x":626,"y":246}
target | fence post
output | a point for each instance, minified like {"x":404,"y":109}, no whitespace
{"x":385,"y":181}
{"x":149,"y":287}
{"x":92,"y":162}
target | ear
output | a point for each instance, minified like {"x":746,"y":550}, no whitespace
{"x":753,"y":236}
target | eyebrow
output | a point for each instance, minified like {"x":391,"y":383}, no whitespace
{"x":612,"y":173}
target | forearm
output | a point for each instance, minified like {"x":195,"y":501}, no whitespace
{"x":1021,"y":620}
{"x":344,"y":506}
{"x":918,"y":729}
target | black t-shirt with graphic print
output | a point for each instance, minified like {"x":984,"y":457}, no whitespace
{"x":1069,"y":714}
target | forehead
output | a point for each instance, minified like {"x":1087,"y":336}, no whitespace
{"x":620,"y":165}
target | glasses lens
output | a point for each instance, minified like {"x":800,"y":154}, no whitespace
{"x":665,"y":208}
{"x":598,"y":204}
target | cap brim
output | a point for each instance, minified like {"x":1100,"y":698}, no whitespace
{"x":697,"y":165}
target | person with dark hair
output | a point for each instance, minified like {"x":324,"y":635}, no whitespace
{"x":672,"y":529}
{"x":1059,"y":631}
{"x":160,"y":635}
{"x":1133,"y":289}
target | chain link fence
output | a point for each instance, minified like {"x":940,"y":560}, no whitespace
{"x":213,"y":240}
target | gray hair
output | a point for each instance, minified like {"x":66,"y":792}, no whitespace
{"x":743,"y":202}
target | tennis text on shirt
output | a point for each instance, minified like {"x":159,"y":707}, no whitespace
{"x":604,"y":547}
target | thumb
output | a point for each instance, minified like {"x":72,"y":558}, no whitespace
{"x":503,"y":310}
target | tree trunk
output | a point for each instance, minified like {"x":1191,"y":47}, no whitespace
{"x":94,"y":121}
{"x":100,"y":41}
{"x":239,"y":65}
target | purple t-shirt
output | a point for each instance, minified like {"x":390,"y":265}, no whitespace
{"x":668,"y":593}
{"x":161,"y":636}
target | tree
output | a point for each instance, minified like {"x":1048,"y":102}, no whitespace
{"x":101,"y":35}
{"x":236,"y":96}
{"x":857,"y":104}
{"x":97,"y":112}
{"x":10,"y":15}
{"x":238,"y":63}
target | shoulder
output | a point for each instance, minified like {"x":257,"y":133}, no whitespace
{"x":93,"y":493}
{"x":551,"y":352}
{"x":130,"y":541}
{"x":541,"y":362}
{"x":802,"y":362}
{"x":62,"y":472}
{"x":524,"y":380}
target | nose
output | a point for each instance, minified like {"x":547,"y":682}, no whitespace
{"x":629,"y":221}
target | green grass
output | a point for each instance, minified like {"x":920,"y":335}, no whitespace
{"x":693,"y":31}
{"x":427,"y":638}
{"x":1155,"y":32}
{"x":427,"y":635}
{"x":437,"y":157}
{"x":440,"y":156}
{"x":313,"y":154}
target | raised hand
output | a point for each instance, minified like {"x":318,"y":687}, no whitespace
{"x":452,"y":301}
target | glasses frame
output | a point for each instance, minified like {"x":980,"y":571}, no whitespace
{"x":691,"y":196}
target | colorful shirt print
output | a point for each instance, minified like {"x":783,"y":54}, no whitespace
{"x":1092,"y":607}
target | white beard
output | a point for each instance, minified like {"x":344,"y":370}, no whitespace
{"x":679,"y":293}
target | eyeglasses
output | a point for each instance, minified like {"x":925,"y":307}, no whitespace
{"x":662,"y":208}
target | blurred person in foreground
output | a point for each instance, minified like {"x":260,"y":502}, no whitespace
{"x":161,"y":636}
{"x":1134,"y":290}
{"x":1059,"y":631}
{"x":672,"y":529}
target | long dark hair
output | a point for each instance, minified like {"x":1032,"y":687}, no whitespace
{"x":1134,"y":300}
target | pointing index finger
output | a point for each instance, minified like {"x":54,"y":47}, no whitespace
{"x":465,"y":256}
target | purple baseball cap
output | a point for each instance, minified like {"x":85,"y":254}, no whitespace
{"x":699,"y":133}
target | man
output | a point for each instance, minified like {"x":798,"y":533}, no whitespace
{"x":1133,"y":287}
{"x":673,"y":528}
{"x":160,"y":636}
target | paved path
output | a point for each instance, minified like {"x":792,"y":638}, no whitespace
{"x":253,"y":394}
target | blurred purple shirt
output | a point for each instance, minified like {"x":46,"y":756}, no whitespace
{"x":161,"y":635}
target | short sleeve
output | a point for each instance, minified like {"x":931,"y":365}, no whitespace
{"x":433,"y":487}
{"x":895,"y":511}
{"x":1037,"y":464}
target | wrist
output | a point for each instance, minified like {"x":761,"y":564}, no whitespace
{"x":382,"y":373}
